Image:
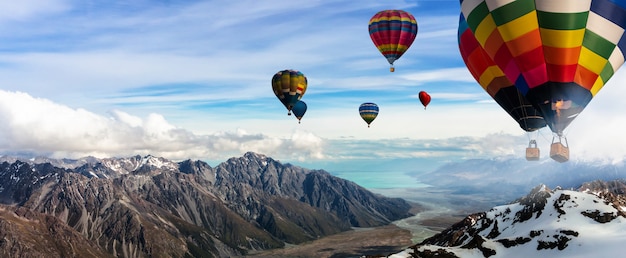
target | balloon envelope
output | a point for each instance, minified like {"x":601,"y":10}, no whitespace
{"x":424,"y":98}
{"x":289,"y":86}
{"x":393,"y":32}
{"x":299,"y":109}
{"x":495,"y":83}
{"x":368,"y":112}
{"x":557,"y":53}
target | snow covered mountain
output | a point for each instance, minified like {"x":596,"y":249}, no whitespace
{"x":589,"y":222}
{"x":116,"y":167}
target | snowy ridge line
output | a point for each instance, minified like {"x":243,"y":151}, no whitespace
{"x":589,"y":222}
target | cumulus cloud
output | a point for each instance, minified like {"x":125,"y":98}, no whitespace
{"x":42,"y":127}
{"x":39,"y":126}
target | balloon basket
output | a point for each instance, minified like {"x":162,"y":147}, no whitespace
{"x":392,"y":69}
{"x":532,"y":152}
{"x":559,"y":152}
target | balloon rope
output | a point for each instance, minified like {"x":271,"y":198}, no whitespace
{"x":540,"y":131}
{"x":520,"y":99}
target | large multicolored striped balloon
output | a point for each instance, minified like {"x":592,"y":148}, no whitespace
{"x":369,"y":112}
{"x":495,"y":83}
{"x":289,"y":86}
{"x":393,"y":32}
{"x":558,"y":53}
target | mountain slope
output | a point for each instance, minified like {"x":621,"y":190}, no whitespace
{"x":590,"y":222}
{"x":22,"y":231}
{"x":264,"y":177}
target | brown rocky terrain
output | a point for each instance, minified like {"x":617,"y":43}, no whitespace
{"x":152,"y":207}
{"x":24,"y":233}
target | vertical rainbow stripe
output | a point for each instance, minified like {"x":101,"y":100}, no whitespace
{"x":495,"y":83}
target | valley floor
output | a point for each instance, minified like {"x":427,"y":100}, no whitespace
{"x":378,"y":241}
{"x":355,"y":243}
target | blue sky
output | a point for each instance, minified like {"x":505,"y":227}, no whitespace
{"x":191,"y":79}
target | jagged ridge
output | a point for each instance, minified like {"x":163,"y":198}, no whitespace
{"x":146,"y":206}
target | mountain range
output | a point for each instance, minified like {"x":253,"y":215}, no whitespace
{"x":589,"y":221}
{"x":505,"y":179}
{"x":153,"y":207}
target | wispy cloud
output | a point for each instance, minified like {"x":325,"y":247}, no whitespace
{"x":28,"y":9}
{"x":106,"y":47}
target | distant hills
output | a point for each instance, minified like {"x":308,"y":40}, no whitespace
{"x":507,"y":179}
{"x":152,"y":207}
{"x":587,"y":222}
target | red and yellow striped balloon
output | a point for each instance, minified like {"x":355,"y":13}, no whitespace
{"x":393,"y":32}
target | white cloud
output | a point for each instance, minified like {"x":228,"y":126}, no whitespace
{"x":448,"y":74}
{"x":126,"y":118}
{"x":42,"y":127}
{"x":39,"y":126}
{"x":598,"y":132}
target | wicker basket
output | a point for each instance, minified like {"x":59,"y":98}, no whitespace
{"x":532,"y":153}
{"x":559,"y":152}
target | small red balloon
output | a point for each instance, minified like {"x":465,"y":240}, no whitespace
{"x":424,"y":98}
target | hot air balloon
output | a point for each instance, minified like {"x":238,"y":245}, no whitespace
{"x":299,"y":109}
{"x":558,"y":54}
{"x":424,"y":98}
{"x":289,"y":86}
{"x":393,"y":32}
{"x":368,"y":112}
{"x":494,"y":82}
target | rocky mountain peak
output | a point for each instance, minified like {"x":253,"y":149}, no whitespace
{"x":116,"y":167}
{"x":251,"y":159}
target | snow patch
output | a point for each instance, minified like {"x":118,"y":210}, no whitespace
{"x":571,"y":224}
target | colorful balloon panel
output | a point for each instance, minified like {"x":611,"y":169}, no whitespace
{"x":393,"y":32}
{"x":368,"y":112}
{"x":558,"y":53}
{"x":289,"y":86}
{"x":494,"y":82}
